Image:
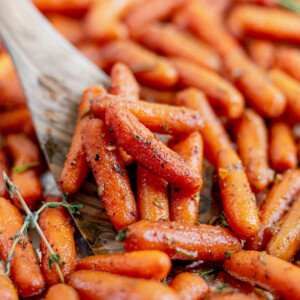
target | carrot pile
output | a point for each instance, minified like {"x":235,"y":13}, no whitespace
{"x":193,"y":82}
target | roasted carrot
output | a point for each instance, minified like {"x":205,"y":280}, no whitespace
{"x":160,"y":118}
{"x":273,"y":209}
{"x":75,"y":168}
{"x":184,"y":204}
{"x":252,"y":143}
{"x":156,"y":264}
{"x":153,"y":95}
{"x":4,"y":167}
{"x":58,"y":230}
{"x":168,"y":40}
{"x":146,"y":65}
{"x":262,"y":53}
{"x":151,"y":153}
{"x":26,"y":158}
{"x":25,"y":270}
{"x":220,"y":92}
{"x":152,"y":196}
{"x":283,"y":148}
{"x":110,"y":175}
{"x":286,"y":243}
{"x":189,"y":286}
{"x":234,"y":296}
{"x":61,"y":291}
{"x":214,"y":135}
{"x":92,"y":51}
{"x":269,"y":272}
{"x":7,"y":290}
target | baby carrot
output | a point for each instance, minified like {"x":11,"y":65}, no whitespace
{"x":189,"y":286}
{"x":25,"y":270}
{"x":156,"y":264}
{"x":262,"y":53}
{"x":7,"y":290}
{"x":184,"y":204}
{"x":4,"y":167}
{"x":58,"y":230}
{"x":220,"y":92}
{"x":152,"y":196}
{"x":273,"y":209}
{"x":110,"y":175}
{"x":238,"y":200}
{"x":266,"y":271}
{"x":160,"y":118}
{"x":181,"y":240}
{"x":286,"y":243}
{"x":61,"y":291}
{"x":214,"y":135}
{"x":92,"y":51}
{"x":283,"y":148}
{"x":252,"y":143}
{"x":151,"y":153}
{"x":234,"y":296}
{"x":24,"y":174}
{"x":157,"y":96}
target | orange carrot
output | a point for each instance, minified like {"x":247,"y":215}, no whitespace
{"x":25,"y":270}
{"x":273,"y":209}
{"x":269,"y":272}
{"x":189,"y":286}
{"x":283,"y":148}
{"x":252,"y":142}
{"x":7,"y":290}
{"x":151,"y":153}
{"x":4,"y":167}
{"x":156,"y":264}
{"x":159,"y":118}
{"x":152,"y":196}
{"x":181,"y":240}
{"x":61,"y":291}
{"x":184,"y":204}
{"x":153,"y":95}
{"x":111,"y":177}
{"x":262,"y":53}
{"x":92,"y":51}
{"x":234,"y":296}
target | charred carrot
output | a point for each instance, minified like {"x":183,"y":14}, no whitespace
{"x":160,"y":118}
{"x":4,"y":167}
{"x":111,"y":177}
{"x":7,"y":290}
{"x":273,"y":209}
{"x":262,"y":53}
{"x":189,"y":286}
{"x":151,"y":153}
{"x":156,"y":264}
{"x":269,"y":272}
{"x":61,"y":291}
{"x":184,"y":204}
{"x":25,"y":270}
{"x":153,"y":95}
{"x":152,"y":196}
{"x":283,"y":148}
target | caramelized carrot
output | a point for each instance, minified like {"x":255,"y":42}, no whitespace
{"x":156,"y":264}
{"x":7,"y":290}
{"x":269,"y":272}
{"x":151,"y":153}
{"x":234,"y":296}
{"x":159,"y":118}
{"x":184,"y":204}
{"x":4,"y":167}
{"x":153,"y":95}
{"x":262,"y":53}
{"x":110,"y":175}
{"x":273,"y":209}
{"x":92,"y":51}
{"x":25,"y":270}
{"x":61,"y":291}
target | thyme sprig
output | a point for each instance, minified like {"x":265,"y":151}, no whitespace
{"x":291,"y":5}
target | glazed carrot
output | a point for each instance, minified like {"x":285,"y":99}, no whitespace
{"x":4,"y":167}
{"x":110,"y":175}
{"x":269,"y":272}
{"x":151,"y":153}
{"x":7,"y":290}
{"x":156,"y":264}
{"x":168,"y":40}
{"x":234,"y":296}
{"x":273,"y":209}
{"x":283,"y":148}
{"x":262,"y":53}
{"x":152,"y":196}
{"x":153,"y":95}
{"x":286,"y":243}
{"x":184,"y":204}
{"x":75,"y":168}
{"x":103,"y":286}
{"x":252,"y":143}
{"x":24,"y":174}
{"x":61,"y":291}
{"x":25,"y":270}
{"x":62,"y":6}
{"x":220,"y":92}
{"x":58,"y":230}
{"x":181,"y":241}
{"x":160,"y":118}
{"x":215,"y":137}
{"x":239,"y":202}
{"x":92,"y":51}
{"x":272,"y":23}
{"x":146,"y":65}
{"x":290,"y":88}
{"x":189,"y":286}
